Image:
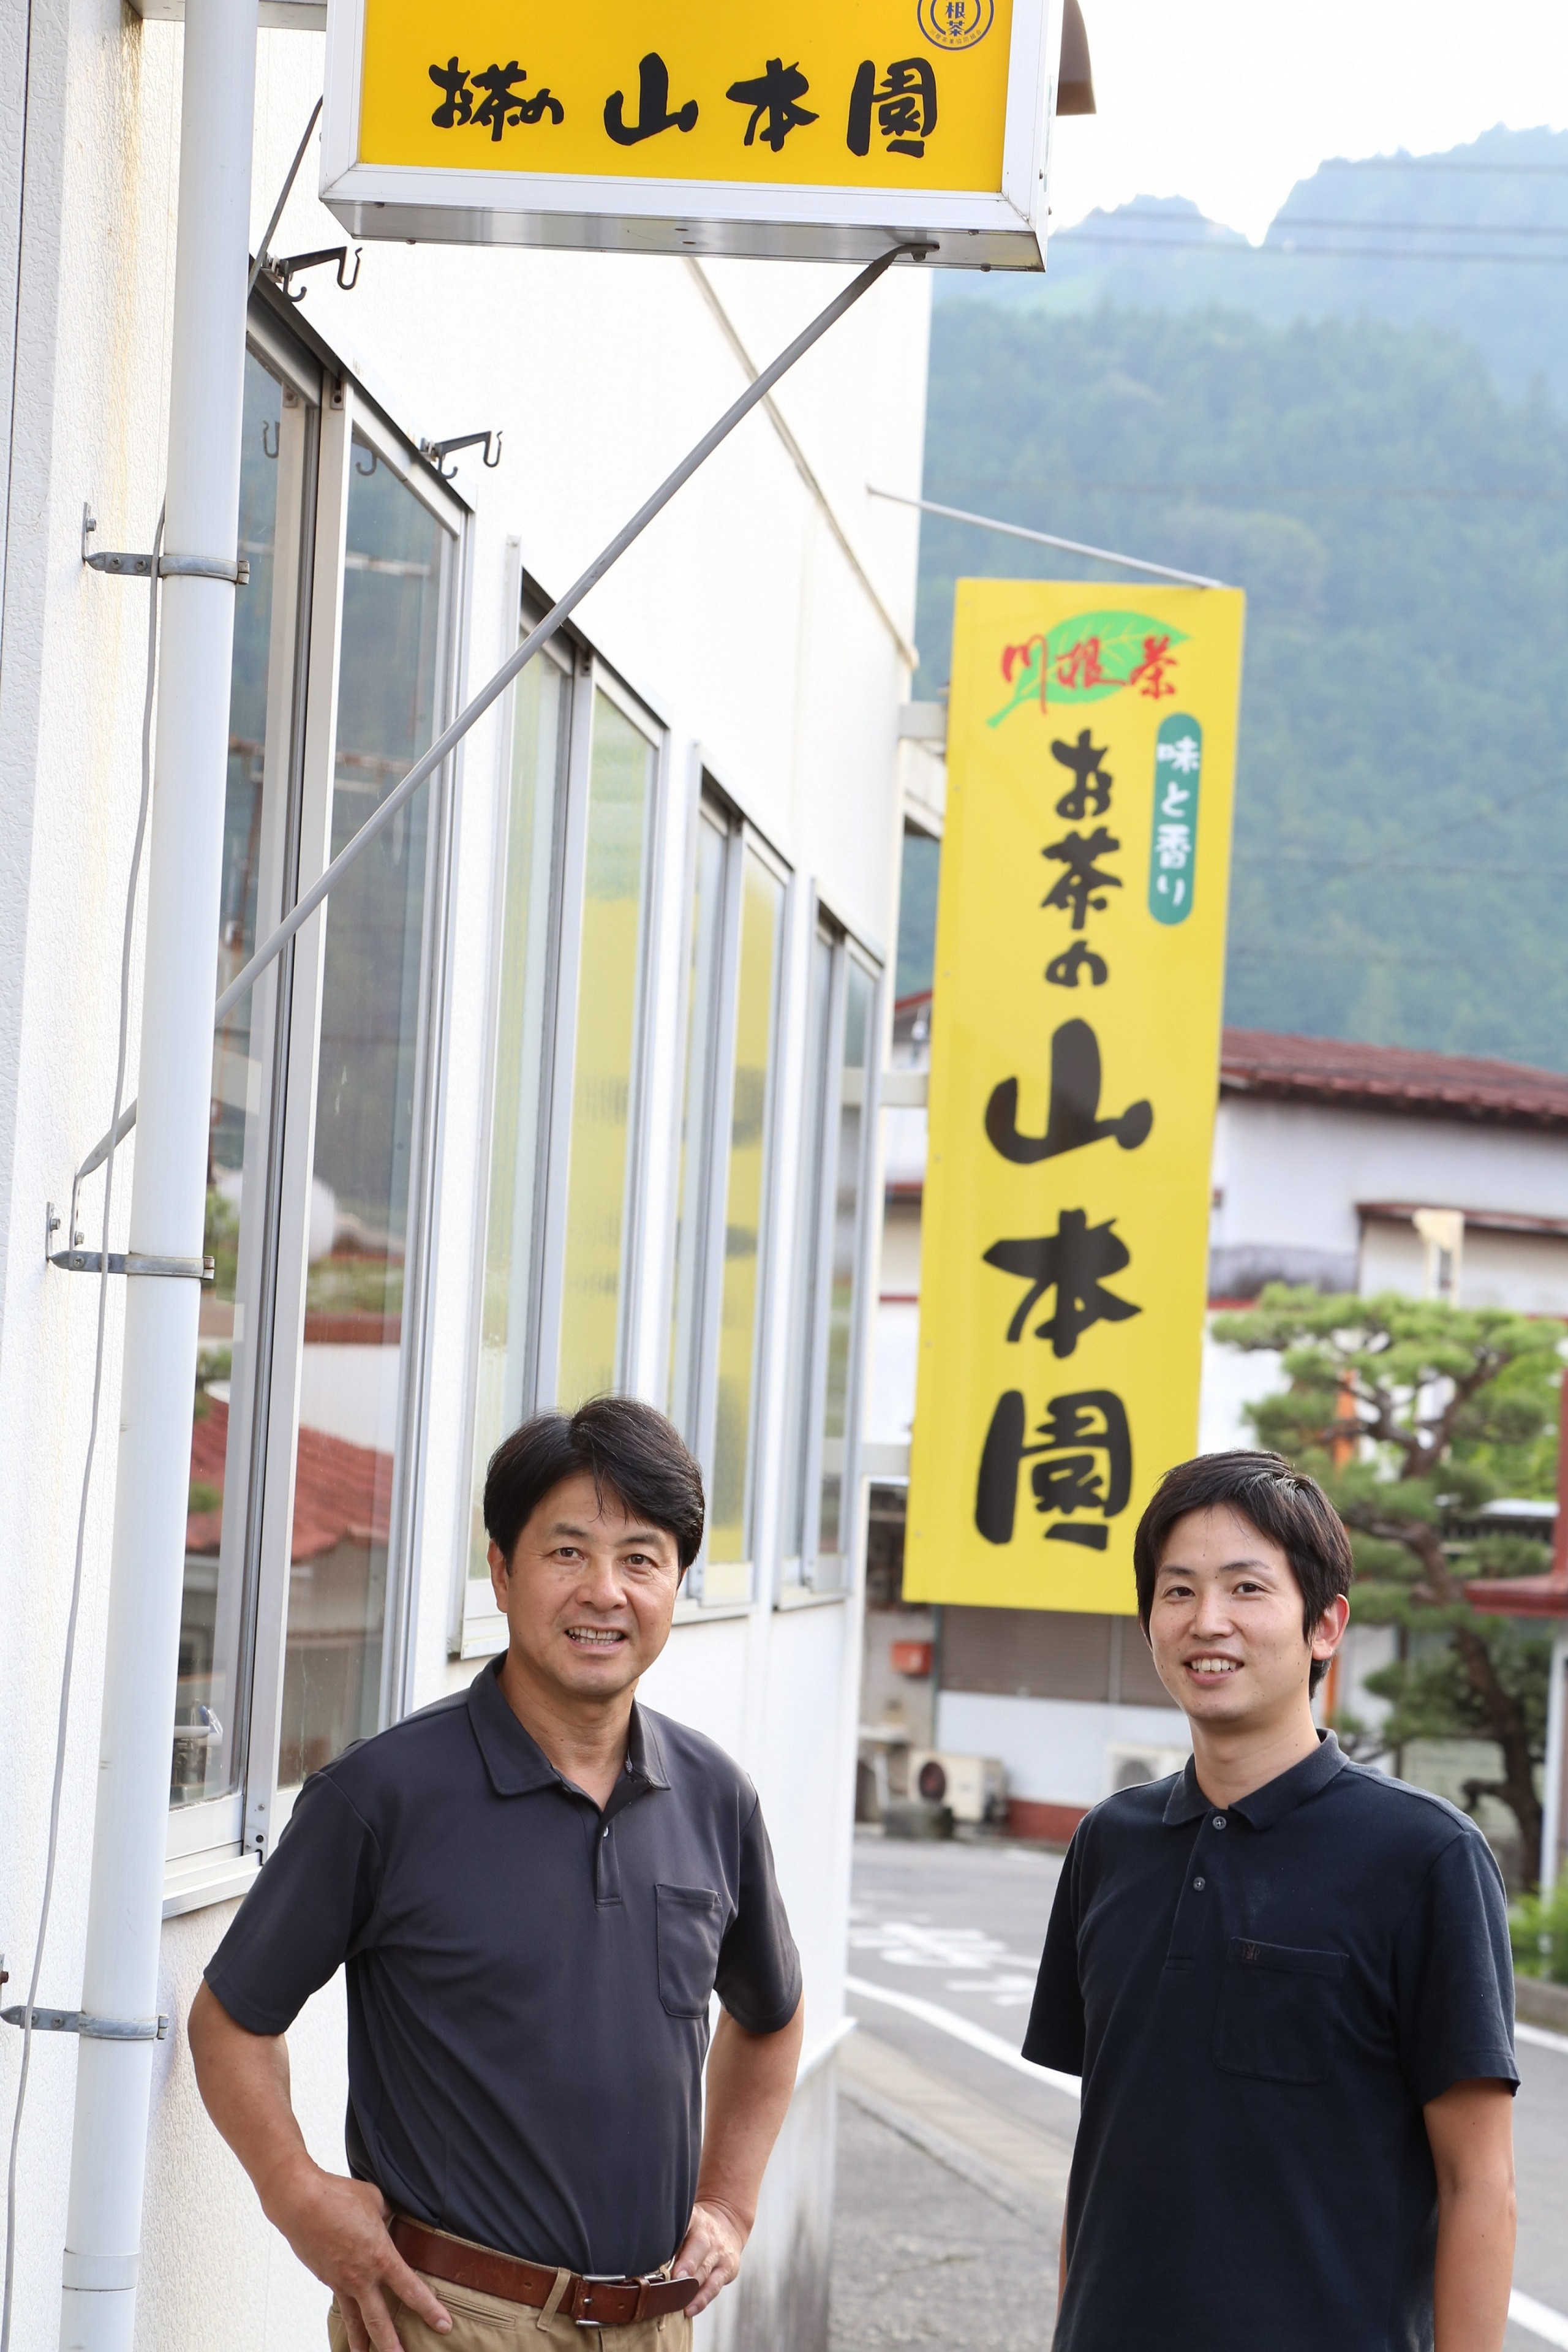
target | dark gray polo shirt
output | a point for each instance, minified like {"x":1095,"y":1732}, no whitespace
{"x":1260,"y":2002}
{"x":528,"y":1977}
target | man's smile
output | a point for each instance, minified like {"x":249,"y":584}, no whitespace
{"x":1213,"y":1663}
{"x":595,"y":1637}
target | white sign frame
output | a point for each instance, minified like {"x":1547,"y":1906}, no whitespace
{"x":586,"y":213}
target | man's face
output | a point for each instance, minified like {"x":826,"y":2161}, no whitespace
{"x":589,"y":1593}
{"x":1225,"y":1624}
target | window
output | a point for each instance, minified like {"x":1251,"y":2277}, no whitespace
{"x":604,"y":1058}
{"x":734,"y":962}
{"x":557,"y":1278}
{"x":507,"y":1316}
{"x":831,"y":1249}
{"x":308,"y":1379}
{"x":372,"y":993}
{"x":276,"y":469}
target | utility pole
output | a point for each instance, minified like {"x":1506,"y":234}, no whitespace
{"x":168,"y":1198}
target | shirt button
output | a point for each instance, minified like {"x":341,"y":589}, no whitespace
{"x":1199,"y":1884}
{"x":1219,"y":1820}
{"x":604,"y":1833}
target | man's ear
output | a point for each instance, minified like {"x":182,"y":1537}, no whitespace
{"x":1330,"y":1627}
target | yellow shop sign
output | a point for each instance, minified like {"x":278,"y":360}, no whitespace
{"x":788,"y":127}
{"x":1075,"y":1051}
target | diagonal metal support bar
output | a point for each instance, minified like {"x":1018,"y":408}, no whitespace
{"x":491,"y":692}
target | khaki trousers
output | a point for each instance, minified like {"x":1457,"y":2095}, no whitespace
{"x":485,"y":2323}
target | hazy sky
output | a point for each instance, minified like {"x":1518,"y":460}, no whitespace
{"x":1232,"y":101}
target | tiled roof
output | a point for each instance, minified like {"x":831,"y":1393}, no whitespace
{"x":342,"y":1493}
{"x":1390,"y":1078}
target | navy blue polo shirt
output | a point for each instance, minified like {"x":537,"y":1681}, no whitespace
{"x":528,"y":1976}
{"x":1260,"y":2000}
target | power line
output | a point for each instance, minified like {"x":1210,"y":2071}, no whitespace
{"x":1300,"y":253}
{"x":1422,"y":228}
{"x":1439,"y":163}
{"x":1244,"y":490}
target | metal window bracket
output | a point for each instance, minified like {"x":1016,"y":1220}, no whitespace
{"x":284,"y":266}
{"x":90,"y":2028}
{"x":439,"y":451}
{"x":120,"y":565}
{"x":76,"y":1260}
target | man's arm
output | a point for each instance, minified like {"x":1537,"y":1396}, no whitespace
{"x":751,"y":2080}
{"x":1471,"y":2128}
{"x":337,"y":2227}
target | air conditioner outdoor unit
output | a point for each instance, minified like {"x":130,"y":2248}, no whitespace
{"x":973,"y":1787}
{"x":1128,"y":1764}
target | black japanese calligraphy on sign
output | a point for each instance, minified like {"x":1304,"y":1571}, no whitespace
{"x":653,"y":106}
{"x":1073,"y":893}
{"x":775,"y":94}
{"x":1083,"y":1462}
{"x":1072,"y":1120}
{"x":503,"y":102}
{"x":1070,"y":1261}
{"x":1063,"y":970}
{"x":1091,"y":794}
{"x":905,"y":104}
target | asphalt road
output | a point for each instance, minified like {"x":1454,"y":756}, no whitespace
{"x":960,"y":1926}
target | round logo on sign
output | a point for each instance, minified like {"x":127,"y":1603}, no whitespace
{"x":956,"y":23}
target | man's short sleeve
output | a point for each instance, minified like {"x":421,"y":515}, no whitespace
{"x":1454,"y":1974}
{"x":304,"y":1914}
{"x":759,"y":1966}
{"x":1056,"y":2034}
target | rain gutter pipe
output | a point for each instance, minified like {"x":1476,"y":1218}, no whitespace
{"x":120,"y":1978}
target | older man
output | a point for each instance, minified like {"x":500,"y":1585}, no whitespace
{"x":536,"y":1885}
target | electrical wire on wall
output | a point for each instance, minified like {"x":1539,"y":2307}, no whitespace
{"x":74,"y":1613}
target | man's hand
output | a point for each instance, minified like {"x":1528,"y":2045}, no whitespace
{"x":337,"y":2227}
{"x":711,"y":2251}
{"x":1471,"y":2128}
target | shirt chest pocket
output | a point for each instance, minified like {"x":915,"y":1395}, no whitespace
{"x":1279,"y":2012}
{"x":688,"y":1927}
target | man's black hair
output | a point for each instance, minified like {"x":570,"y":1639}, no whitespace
{"x":1282,"y":1503}
{"x":626,"y":1448}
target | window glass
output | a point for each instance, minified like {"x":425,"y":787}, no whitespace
{"x":694,"y":1177}
{"x":761,"y":930}
{"x":797,"y":1536}
{"x":849,"y":1178}
{"x":504,"y":1378}
{"x":620,"y":795}
{"x":367,"y":1084}
{"x":208,"y":1746}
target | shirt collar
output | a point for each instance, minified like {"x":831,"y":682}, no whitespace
{"x":1270,"y":1803}
{"x":515,"y":1761}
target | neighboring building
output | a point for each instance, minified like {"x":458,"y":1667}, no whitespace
{"x":573,"y":1086}
{"x":1350,"y":1167}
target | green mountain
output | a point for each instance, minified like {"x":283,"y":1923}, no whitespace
{"x":1399,"y":520}
{"x":1474,"y":240}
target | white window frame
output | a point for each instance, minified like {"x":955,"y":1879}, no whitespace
{"x":713,"y":806}
{"x":800,"y":1574}
{"x":213,"y":1846}
{"x":476,"y":1627}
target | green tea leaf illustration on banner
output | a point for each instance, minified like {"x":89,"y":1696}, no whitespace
{"x":1091,"y":655}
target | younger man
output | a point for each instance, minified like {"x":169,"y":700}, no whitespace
{"x":1285,"y":1981}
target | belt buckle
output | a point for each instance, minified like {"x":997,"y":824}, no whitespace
{"x":599,"y":2278}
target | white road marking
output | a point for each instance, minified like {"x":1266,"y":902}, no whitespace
{"x":1523,"y":2310}
{"x":947,"y":2021}
{"x":1539,"y":2318}
{"x":1542,"y":2038}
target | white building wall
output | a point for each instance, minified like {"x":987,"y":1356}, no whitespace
{"x":744,"y":627}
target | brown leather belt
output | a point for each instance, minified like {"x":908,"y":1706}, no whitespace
{"x":590,"y":2302}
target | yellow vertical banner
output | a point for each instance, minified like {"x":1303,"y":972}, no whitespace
{"x":1075,"y":1050}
